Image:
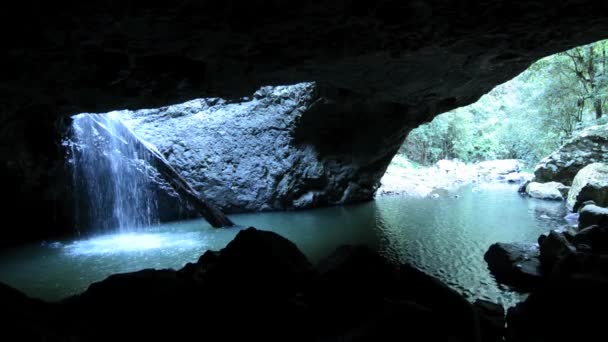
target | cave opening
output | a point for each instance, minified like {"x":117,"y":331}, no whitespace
{"x":303,"y":161}
{"x":260,"y":157}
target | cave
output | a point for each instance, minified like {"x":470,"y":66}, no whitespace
{"x":332,"y":90}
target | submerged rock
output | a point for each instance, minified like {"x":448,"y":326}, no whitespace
{"x":590,"y":183}
{"x":587,"y":147}
{"x":547,"y":191}
{"x":515,"y":264}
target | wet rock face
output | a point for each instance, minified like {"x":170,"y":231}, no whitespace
{"x":285,"y":147}
{"x":587,"y":147}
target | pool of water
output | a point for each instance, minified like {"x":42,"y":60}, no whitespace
{"x":445,"y":236}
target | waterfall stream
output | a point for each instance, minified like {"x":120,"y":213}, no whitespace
{"x":112,"y":175}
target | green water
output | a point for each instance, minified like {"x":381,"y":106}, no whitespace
{"x":446,"y":237}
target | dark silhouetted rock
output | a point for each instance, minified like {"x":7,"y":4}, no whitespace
{"x":553,"y":247}
{"x":492,"y":320}
{"x":565,"y":309}
{"x":515,"y":264}
{"x":592,"y":215}
{"x":28,"y":319}
{"x":256,"y":263}
{"x":460,"y":316}
{"x":351,"y":287}
{"x":595,"y":237}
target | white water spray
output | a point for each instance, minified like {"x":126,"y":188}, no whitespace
{"x":112,"y":175}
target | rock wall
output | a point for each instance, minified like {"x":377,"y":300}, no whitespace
{"x":285,"y":147}
{"x":432,"y":55}
{"x":589,"y":146}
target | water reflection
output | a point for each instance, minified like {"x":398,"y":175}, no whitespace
{"x":445,"y":236}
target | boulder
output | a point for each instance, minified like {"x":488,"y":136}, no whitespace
{"x":592,"y":215}
{"x":459,"y":317}
{"x":565,"y":309}
{"x":595,"y":238}
{"x":547,"y":191}
{"x":590,"y":183}
{"x":284,"y":147}
{"x":268,"y":263}
{"x":553,"y":247}
{"x":592,"y":192}
{"x":515,"y":264}
{"x":492,"y":319}
{"x":587,"y":147}
{"x":27,"y":319}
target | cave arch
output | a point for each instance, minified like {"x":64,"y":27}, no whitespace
{"x":425,"y":57}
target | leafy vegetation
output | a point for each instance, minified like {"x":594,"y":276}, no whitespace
{"x":525,"y":118}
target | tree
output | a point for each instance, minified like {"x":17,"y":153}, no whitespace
{"x":588,"y":65}
{"x":525,"y":118}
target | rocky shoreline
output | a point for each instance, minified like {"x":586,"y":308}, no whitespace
{"x":566,"y":272}
{"x":402,"y":178}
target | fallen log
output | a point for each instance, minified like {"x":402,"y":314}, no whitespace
{"x":210,"y":212}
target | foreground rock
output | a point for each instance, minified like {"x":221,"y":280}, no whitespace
{"x":515,"y":264}
{"x":568,"y":305}
{"x":587,"y":147}
{"x":261,"y":287}
{"x":592,"y":215}
{"x":553,"y":248}
{"x":589,"y":184}
{"x":548,"y":191}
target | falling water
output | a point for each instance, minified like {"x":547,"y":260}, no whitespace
{"x":112,"y":175}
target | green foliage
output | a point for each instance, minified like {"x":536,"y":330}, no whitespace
{"x":525,"y":118}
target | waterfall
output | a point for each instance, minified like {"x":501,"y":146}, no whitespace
{"x":112,"y":175}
